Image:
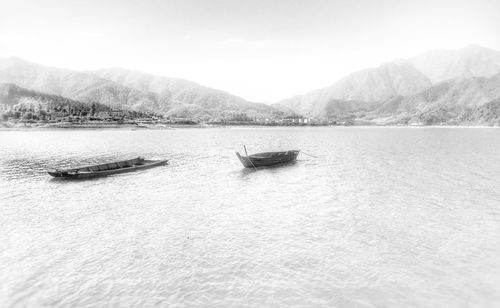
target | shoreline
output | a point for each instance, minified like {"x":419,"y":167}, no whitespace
{"x":133,"y":127}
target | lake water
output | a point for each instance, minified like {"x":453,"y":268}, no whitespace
{"x":382,"y":217}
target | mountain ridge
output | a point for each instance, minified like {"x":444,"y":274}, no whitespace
{"x":169,"y":96}
{"x":439,"y":85}
{"x":473,"y":73}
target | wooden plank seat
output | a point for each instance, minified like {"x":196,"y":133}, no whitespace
{"x":113,"y":166}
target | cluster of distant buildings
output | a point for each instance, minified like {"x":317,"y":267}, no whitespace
{"x":290,"y":121}
{"x":299,"y":121}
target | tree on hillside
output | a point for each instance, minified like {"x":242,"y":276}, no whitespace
{"x":93,"y":109}
{"x":28,"y":116}
{"x":41,"y":114}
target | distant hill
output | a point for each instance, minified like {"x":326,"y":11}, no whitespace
{"x":366,"y":86}
{"x":471,"y":61}
{"x":20,"y":103}
{"x":435,"y":87}
{"x":186,"y":98}
{"x":469,"y":92}
{"x":447,"y":101}
{"x":486,"y":114}
{"x":12,"y":95}
{"x":78,"y":86}
{"x":124,"y":89}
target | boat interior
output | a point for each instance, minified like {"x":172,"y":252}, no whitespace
{"x":112,"y":166}
{"x":271,"y":154}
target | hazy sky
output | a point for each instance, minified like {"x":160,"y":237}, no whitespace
{"x":260,"y":50}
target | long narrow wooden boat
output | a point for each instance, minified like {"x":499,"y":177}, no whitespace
{"x":268,"y":158}
{"x":105,"y":169}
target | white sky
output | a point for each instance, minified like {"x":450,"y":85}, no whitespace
{"x":262,"y":50}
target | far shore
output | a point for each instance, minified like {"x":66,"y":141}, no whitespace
{"x":127,"y":126}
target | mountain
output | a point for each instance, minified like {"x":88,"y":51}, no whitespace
{"x":11,"y":94}
{"x":369,"y":85}
{"x":451,"y":100}
{"x":463,"y":92}
{"x":435,"y":87}
{"x":471,"y":61}
{"x":487,"y":114}
{"x":444,"y":86}
{"x":28,"y":103}
{"x":182,"y":97}
{"x":124,"y":89}
{"x":78,"y":86}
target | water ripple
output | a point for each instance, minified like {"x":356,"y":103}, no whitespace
{"x":386,"y":217}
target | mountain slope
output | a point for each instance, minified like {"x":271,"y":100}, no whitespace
{"x":13,"y":95}
{"x":178,"y":95}
{"x":454,"y":80}
{"x":449,"y":100}
{"x":468,"y":93}
{"x":487,"y":114}
{"x":131,"y":90}
{"x":75,"y":85}
{"x":367,"y":86}
{"x":471,"y":61}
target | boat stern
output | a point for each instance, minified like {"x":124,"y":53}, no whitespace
{"x":55,"y":173}
{"x":245,"y":161}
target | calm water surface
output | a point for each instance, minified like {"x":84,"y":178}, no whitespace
{"x":383,"y":217}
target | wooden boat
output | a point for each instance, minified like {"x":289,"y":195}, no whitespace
{"x":267,"y":158}
{"x":135,"y":164}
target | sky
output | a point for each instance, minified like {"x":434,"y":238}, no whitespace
{"x":261,"y":50}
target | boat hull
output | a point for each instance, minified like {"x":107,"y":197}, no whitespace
{"x":117,"y":168}
{"x":268,"y":159}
